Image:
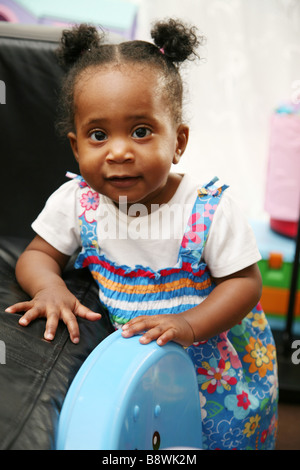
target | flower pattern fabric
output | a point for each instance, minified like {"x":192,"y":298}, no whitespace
{"x":195,"y":229}
{"x":237,"y":369}
{"x":90,"y":200}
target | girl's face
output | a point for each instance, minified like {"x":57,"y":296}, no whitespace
{"x":126,"y":139}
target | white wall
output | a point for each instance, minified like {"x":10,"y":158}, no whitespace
{"x":251,"y":61}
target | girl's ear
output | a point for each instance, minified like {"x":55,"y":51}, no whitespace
{"x":73,"y":141}
{"x":182,"y":140}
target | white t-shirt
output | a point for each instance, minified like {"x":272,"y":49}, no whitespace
{"x":150,"y":240}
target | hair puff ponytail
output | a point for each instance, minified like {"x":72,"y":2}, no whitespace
{"x":75,"y":42}
{"x":177,"y":40}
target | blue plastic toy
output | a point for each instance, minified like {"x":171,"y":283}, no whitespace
{"x":132,"y":396}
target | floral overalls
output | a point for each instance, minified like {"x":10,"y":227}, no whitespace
{"x":236,"y":370}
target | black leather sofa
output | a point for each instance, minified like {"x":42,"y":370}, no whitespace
{"x":34,"y":374}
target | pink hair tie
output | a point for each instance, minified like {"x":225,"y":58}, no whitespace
{"x":162,"y":50}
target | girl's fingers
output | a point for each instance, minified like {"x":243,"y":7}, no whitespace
{"x":151,"y":335}
{"x":162,"y":335}
{"x":151,"y":328}
{"x":138,"y":325}
{"x":29,"y":316}
{"x":84,"y":312}
{"x":53,"y":316}
{"x":51,"y":326}
{"x":168,"y":335}
{"x":19,"y":307}
{"x":163,"y":328}
{"x":70,"y":321}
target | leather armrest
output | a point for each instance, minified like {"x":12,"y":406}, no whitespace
{"x":36,"y":374}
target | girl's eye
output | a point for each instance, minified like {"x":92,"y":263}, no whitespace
{"x":98,"y":136}
{"x":141,"y":132}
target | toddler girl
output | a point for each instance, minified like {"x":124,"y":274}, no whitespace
{"x":173,"y":257}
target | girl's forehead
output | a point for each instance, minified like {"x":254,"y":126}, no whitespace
{"x":113,"y":81}
{"x":119,"y":73}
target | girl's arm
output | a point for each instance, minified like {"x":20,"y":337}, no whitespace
{"x":38,"y":272}
{"x":232,"y":299}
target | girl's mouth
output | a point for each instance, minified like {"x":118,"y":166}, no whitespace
{"x":123,"y":181}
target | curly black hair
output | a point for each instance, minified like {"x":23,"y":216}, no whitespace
{"x":84,"y":46}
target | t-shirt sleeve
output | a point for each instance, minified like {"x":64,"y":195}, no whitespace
{"x":231,"y":244}
{"x":58,"y":221}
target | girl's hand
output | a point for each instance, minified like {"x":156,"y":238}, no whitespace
{"x":55,"y":303}
{"x":163,"y":328}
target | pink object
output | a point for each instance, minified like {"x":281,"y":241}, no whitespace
{"x":282,"y":198}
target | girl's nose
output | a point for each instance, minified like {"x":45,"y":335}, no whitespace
{"x":119,"y":151}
